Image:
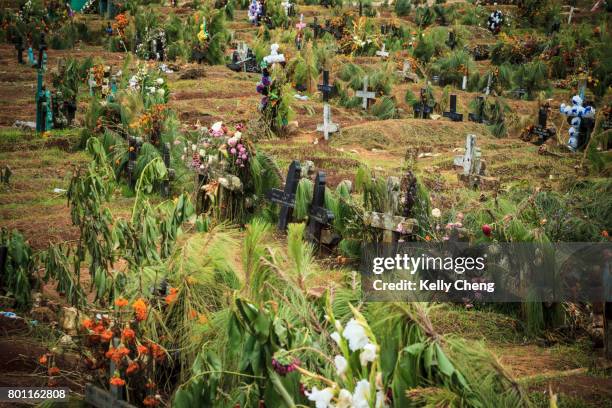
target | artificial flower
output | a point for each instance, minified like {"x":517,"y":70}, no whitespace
{"x":436,"y":213}
{"x":142,"y":350}
{"x":128,"y":334}
{"x":117,"y":381}
{"x":341,"y":364}
{"x":150,"y":401}
{"x":132,"y":368}
{"x":355,"y":334}
{"x":43,"y":359}
{"x":321,"y":398}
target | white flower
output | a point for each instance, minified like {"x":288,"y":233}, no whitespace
{"x":151,"y":89}
{"x":356,"y":335}
{"x":345,"y":399}
{"x":238,"y":135}
{"x":368,"y":354}
{"x":436,"y":213}
{"x":321,"y":398}
{"x":380,"y":400}
{"x":335,"y":337}
{"x":161,"y":91}
{"x":194,"y":147}
{"x":159,"y":81}
{"x":216,"y":127}
{"x":361,"y":394}
{"x":341,"y":364}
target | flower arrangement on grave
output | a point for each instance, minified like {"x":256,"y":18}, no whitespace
{"x":119,"y":339}
{"x":495,"y":21}
{"x":211,"y":37}
{"x":151,"y":84}
{"x":150,"y":124}
{"x":153,"y":45}
{"x":275,"y":104}
{"x":231,"y":172}
{"x":360,"y":39}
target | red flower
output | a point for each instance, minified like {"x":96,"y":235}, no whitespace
{"x":142,"y":350}
{"x":53,"y":371}
{"x":43,"y":359}
{"x":150,"y":401}
{"x":121,"y":302}
{"x":158,"y":352}
{"x":150,"y":384}
{"x":132,"y":368}
{"x":88,"y":324}
{"x":109,"y":353}
{"x":140,"y":309}
{"x":106,"y":336}
{"x":117,"y":381}
{"x":99,"y":329}
{"x":128,"y":334}
{"x":172,"y":296}
{"x":487,"y":230}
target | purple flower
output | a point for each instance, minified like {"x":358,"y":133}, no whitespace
{"x":260,"y":88}
{"x":233,"y":150}
{"x":266,"y":81}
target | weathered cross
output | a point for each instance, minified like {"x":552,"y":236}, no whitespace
{"x":286,"y":197}
{"x":382,"y":53}
{"x":301,"y":25}
{"x":453,"y":114}
{"x":470,"y":161}
{"x":364,"y":94}
{"x":328,"y":125}
{"x":393,"y":226}
{"x":318,"y":215}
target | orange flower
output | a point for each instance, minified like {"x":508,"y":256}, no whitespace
{"x":128,"y":334}
{"x":605,"y":234}
{"x":117,"y":381}
{"x":140,"y":309}
{"x":110,"y":353}
{"x":43,"y":359}
{"x":142,"y":350}
{"x":53,"y":371}
{"x":193,"y":314}
{"x":88,"y":324}
{"x":150,"y":384}
{"x":427,"y":238}
{"x":132,"y":368}
{"x":172,"y":296}
{"x":99,"y":329}
{"x":121,"y":302}
{"x":150,"y":401}
{"x":203,"y":319}
{"x":158,"y":352}
{"x":106,"y":336}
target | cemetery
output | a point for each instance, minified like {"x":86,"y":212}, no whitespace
{"x":191,"y":191}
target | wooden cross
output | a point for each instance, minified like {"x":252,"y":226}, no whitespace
{"x":470,"y":161}
{"x":382,"y":53}
{"x":422,"y":109}
{"x":318,"y":215}
{"x":286,"y":197}
{"x":301,"y":25}
{"x":393,"y":226}
{"x":328,"y":126}
{"x":453,"y":114}
{"x":452,"y":41}
{"x":540,"y":128}
{"x":364,"y":94}
{"x":488,"y":88}
{"x":325,"y":87}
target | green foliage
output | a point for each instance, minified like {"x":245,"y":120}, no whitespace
{"x":384,"y":108}
{"x":19,"y":268}
{"x":533,"y":77}
{"x":424,"y":16}
{"x":403,"y":7}
{"x":451,"y":67}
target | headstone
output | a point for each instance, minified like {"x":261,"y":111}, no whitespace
{"x":453,"y":114}
{"x":328,"y":125}
{"x":540,"y":128}
{"x":470,"y":163}
{"x":406,"y":73}
{"x":134,"y":145}
{"x":382,"y":53}
{"x":393,"y":226}
{"x":286,"y":197}
{"x":478,"y":116}
{"x":243,"y":60}
{"x":43,"y":99}
{"x":364,"y":94}
{"x":519,"y":93}
{"x":318,"y":215}
{"x":421,"y":108}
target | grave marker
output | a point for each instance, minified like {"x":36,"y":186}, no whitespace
{"x":540,"y":128}
{"x":328,"y":125}
{"x":100,"y":398}
{"x":472,"y":167}
{"x":318,"y":215}
{"x":43,"y":97}
{"x":406,"y":72}
{"x":393,"y":226}
{"x":19,"y":48}
{"x":165,"y":187}
{"x":134,"y":144}
{"x":452,"y":40}
{"x":453,"y":114}
{"x":286,"y":197}
{"x":382,"y":53}
{"x":478,"y":117}
{"x":422,"y":109}
{"x":364,"y":94}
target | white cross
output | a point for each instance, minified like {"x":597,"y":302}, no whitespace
{"x":364,"y":94}
{"x":243,"y":50}
{"x":488,"y":88}
{"x":464,"y":83}
{"x":301,"y":25}
{"x":470,"y":161}
{"x":328,"y":126}
{"x":382,"y":53}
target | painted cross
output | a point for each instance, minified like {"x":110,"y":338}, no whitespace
{"x":364,"y":94}
{"x":328,"y":126}
{"x":286,"y":197}
{"x":43,"y":99}
{"x":318,"y":215}
{"x":301,"y":25}
{"x":393,"y":226}
{"x":478,"y":117}
{"x":134,"y":145}
{"x":165,"y":187}
{"x":470,"y":161}
{"x":421,"y":108}
{"x":453,"y":114}
{"x":382,"y":53}
{"x":540,"y":128}
{"x":325,"y":87}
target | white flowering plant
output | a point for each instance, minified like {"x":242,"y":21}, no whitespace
{"x":151,"y":84}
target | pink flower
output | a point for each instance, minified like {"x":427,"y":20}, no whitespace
{"x":243,"y":157}
{"x":233,"y":151}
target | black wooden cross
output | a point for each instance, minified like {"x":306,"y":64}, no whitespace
{"x":453,"y":114}
{"x":540,"y":128}
{"x":165,"y":187}
{"x":422,"y":109}
{"x":452,"y":40}
{"x":134,"y":145}
{"x":19,"y":48}
{"x":325,"y":87}
{"x":478,"y":117}
{"x":286,"y":198}
{"x":607,"y":119}
{"x":318,"y":215}
{"x":316,"y":27}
